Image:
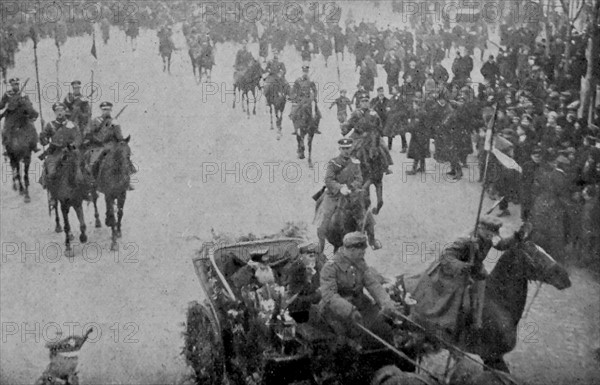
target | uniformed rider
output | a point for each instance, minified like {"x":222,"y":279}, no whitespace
{"x":303,"y":92}
{"x":103,"y":132}
{"x":19,"y":113}
{"x":367,"y":133}
{"x":58,"y":134}
{"x":343,"y":302}
{"x":274,"y":67}
{"x":243,"y":58}
{"x":78,"y":106}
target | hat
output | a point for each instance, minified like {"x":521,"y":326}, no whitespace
{"x":537,"y":150}
{"x":490,"y":223}
{"x":105,"y":105}
{"x":363,"y":96}
{"x":76,"y":83}
{"x":308,"y":248}
{"x":345,"y":142}
{"x":355,"y":240}
{"x":13,"y":80}
{"x":259,"y":254}
{"x":58,"y":104}
{"x":561,"y":159}
{"x":574,"y":106}
{"x":305,"y":68}
{"x":379,"y":88}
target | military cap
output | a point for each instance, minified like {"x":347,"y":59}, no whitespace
{"x":13,"y":80}
{"x":490,"y":223}
{"x":259,"y":254}
{"x":56,"y":105}
{"x":305,"y":68}
{"x":363,"y":96}
{"x":106,"y":105}
{"x":379,"y":88}
{"x":308,"y":248}
{"x":345,"y":142}
{"x":76,"y":83}
{"x":343,"y":91}
{"x":355,"y":240}
{"x":537,"y":150}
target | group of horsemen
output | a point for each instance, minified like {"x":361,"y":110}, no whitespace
{"x":71,"y":129}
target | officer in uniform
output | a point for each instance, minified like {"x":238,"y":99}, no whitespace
{"x":103,"y":132}
{"x":367,"y":133}
{"x":303,"y":92}
{"x":243,"y":58}
{"x":78,"y":106}
{"x":19,"y":113}
{"x":342,"y":175}
{"x":274,"y":67}
{"x":343,"y":301}
{"x":58,"y":134}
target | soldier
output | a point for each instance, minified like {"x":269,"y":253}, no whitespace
{"x":103,"y":131}
{"x":303,"y":92}
{"x":379,"y":104}
{"x":274,"y":67}
{"x":78,"y":107}
{"x":58,"y":134}
{"x":342,"y":103}
{"x":367,"y":133}
{"x":343,"y":302}
{"x":19,"y":113}
{"x":342,"y":175}
{"x":243,"y":58}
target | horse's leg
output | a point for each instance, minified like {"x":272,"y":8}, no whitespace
{"x":120,"y":204}
{"x":82,"y":227}
{"x":64,"y":208}
{"x":310,"y":139}
{"x":169,"y":64}
{"x":234,"y":94}
{"x":164,"y":60}
{"x":26,"y":163}
{"x":98,"y":224}
{"x":254,"y":98}
{"x":14,"y":165}
{"x":300,"y":140}
{"x":271,"y":114}
{"x":110,"y":222}
{"x":379,"y":191}
{"x":58,"y":228}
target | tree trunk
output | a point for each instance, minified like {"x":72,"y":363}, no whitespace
{"x":590,"y":83}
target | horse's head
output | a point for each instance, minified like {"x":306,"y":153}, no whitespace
{"x":353,"y":204}
{"x":539,"y":266}
{"x":116,"y":161}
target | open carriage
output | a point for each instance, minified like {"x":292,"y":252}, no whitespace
{"x":251,"y":335}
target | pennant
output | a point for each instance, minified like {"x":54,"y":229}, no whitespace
{"x":506,"y":160}
{"x":93,"y":51}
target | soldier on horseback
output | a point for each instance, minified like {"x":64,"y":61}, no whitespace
{"x":304,"y":92}
{"x":19,"y":114}
{"x":367,"y":133}
{"x":103,"y":132}
{"x":243,"y":58}
{"x":275,"y":68}
{"x":58,"y":134}
{"x":78,"y":106}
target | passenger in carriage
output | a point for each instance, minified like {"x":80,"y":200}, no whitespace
{"x":301,"y":281}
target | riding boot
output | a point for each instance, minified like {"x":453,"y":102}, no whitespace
{"x":390,"y":140}
{"x":414,"y":169}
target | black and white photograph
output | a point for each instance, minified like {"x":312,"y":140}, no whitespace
{"x":300,"y":192}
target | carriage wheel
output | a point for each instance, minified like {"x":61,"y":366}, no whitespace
{"x":203,"y":348}
{"x":391,"y":375}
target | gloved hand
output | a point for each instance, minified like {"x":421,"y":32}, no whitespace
{"x":356,"y":317}
{"x":344,"y":190}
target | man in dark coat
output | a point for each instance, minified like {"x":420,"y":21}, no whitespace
{"x":490,"y":71}
{"x":379,"y":104}
{"x":420,"y":131}
{"x":392,"y":67}
{"x":78,"y":106}
{"x":397,"y":118}
{"x":19,"y":114}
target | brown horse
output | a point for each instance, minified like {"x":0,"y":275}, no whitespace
{"x":505,"y":297}
{"x":350,"y":215}
{"x":247,"y":81}
{"x":112,"y":179}
{"x":276,"y":93}
{"x":69,"y":188}
{"x":373,"y":169}
{"x":306,"y":122}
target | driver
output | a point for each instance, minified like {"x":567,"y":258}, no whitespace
{"x":344,"y":303}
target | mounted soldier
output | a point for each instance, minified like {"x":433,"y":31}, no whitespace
{"x":18,"y":115}
{"x":303,"y":94}
{"x":243,"y":58}
{"x":78,"y":106}
{"x":58,"y":134}
{"x":439,"y":309}
{"x":103,"y":132}
{"x":367,"y":133}
{"x":275,"y":75}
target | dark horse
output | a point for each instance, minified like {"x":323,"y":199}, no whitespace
{"x":247,"y":81}
{"x":202,"y":59}
{"x":112,"y":179}
{"x":18,"y":146}
{"x":69,"y":188}
{"x":165,"y":48}
{"x":372,"y":169}
{"x":350,"y":215}
{"x":306,"y":122}
{"x":276,"y":93}
{"x":505,"y":297}
{"x":132,"y":30}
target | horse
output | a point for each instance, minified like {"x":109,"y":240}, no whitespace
{"x":306,"y":122}
{"x":373,"y":169}
{"x":276,"y":94}
{"x":165,"y":48}
{"x":70,"y":189}
{"x":112,"y":179}
{"x":350,"y":215}
{"x":505,"y":297}
{"x":132,"y":30}
{"x":18,"y":137}
{"x":247,"y":81}
{"x":206,"y":61}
